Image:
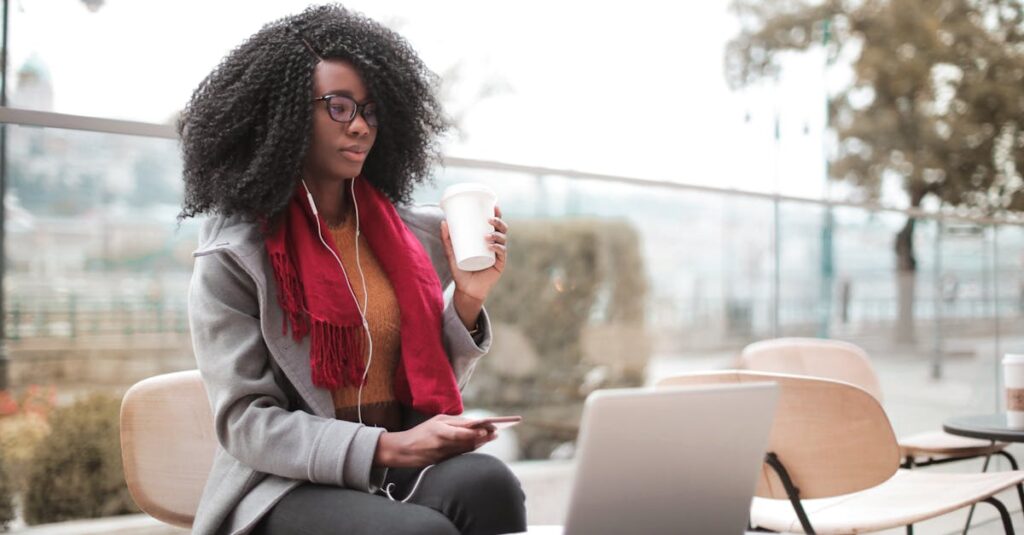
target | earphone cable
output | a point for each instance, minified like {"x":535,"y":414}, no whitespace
{"x":348,"y":284}
{"x":366,"y":297}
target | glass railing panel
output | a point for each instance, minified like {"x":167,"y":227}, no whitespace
{"x":97,"y":270}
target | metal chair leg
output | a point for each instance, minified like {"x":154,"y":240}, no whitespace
{"x":1010,"y":458}
{"x":1013,"y":465}
{"x":1003,"y":514}
{"x":970,"y":513}
{"x":773,"y":461}
{"x":1020,"y":496}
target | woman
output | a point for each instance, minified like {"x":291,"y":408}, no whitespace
{"x":332,"y":365}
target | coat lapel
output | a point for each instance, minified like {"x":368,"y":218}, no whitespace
{"x":291,"y":356}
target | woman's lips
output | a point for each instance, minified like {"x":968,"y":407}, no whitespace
{"x":353,"y":155}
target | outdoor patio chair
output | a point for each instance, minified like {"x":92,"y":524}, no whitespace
{"x":843,"y":361}
{"x":832,"y":464}
{"x":167,"y":445}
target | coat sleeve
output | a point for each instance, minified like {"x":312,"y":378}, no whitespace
{"x":252,"y":417}
{"x":464,"y":350}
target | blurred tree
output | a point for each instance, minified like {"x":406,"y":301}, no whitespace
{"x":466,"y":84}
{"x":462,"y":84}
{"x":93,"y":5}
{"x":936,"y":100}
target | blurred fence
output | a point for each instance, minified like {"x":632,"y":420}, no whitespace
{"x":74,"y":316}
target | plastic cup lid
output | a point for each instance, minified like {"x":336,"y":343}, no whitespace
{"x":466,"y":187}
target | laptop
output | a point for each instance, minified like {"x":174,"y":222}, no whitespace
{"x":673,"y":460}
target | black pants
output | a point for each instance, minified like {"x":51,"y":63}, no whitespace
{"x":471,"y":493}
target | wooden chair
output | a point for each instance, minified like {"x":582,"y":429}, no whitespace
{"x":833,"y":463}
{"x":167,"y":445}
{"x":843,"y":361}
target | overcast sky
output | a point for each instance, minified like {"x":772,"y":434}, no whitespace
{"x":635,"y":89}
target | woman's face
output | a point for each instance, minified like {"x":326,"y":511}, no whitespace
{"x":338,"y":149}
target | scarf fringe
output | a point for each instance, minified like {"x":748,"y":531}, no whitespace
{"x":336,"y":355}
{"x":289,"y":294}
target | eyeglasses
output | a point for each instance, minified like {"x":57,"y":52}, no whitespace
{"x":344,"y":109}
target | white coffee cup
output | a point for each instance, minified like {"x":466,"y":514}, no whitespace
{"x":1013,"y":381}
{"x":468,"y":207}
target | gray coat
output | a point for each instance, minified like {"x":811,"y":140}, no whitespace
{"x":275,"y":429}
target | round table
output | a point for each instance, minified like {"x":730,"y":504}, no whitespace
{"x":984,"y":426}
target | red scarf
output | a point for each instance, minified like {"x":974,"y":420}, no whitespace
{"x":314,"y":293}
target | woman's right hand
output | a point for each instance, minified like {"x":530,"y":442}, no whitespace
{"x":431,"y":442}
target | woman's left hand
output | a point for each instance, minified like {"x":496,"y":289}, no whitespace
{"x":476,"y":285}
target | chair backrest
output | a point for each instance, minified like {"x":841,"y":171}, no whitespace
{"x":167,"y":445}
{"x":832,"y":437}
{"x":829,"y":359}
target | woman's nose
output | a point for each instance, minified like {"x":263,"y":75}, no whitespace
{"x":358,"y":126}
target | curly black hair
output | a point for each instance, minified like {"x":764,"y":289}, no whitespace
{"x":245,"y":132}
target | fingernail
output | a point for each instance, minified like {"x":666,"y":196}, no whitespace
{"x":481,"y":433}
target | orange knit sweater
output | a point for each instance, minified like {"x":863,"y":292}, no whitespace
{"x":380,"y":408}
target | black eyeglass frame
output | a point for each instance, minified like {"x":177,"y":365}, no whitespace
{"x":356,"y":110}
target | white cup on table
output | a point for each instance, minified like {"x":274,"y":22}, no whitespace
{"x":1013,"y":381}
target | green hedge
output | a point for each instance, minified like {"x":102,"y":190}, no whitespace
{"x":76,"y":471}
{"x":564,"y":274}
{"x":563,"y":278}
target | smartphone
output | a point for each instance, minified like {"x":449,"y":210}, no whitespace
{"x":499,"y":422}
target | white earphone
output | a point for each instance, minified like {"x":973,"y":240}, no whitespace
{"x":362,"y":278}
